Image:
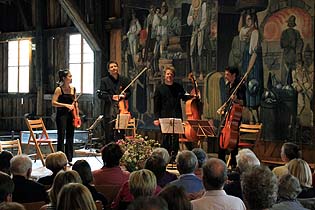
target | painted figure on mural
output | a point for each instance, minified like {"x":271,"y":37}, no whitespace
{"x":303,"y":84}
{"x":252,"y":61}
{"x":133,"y":35}
{"x":197,"y":18}
{"x":292,"y":44}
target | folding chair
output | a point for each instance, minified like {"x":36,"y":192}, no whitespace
{"x":38,"y":137}
{"x":249,"y":135}
{"x":11,"y":144}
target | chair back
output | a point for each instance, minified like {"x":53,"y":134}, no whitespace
{"x":132,"y":125}
{"x":33,"y":205}
{"x":109,"y":191}
{"x":11,"y":144}
{"x":249,"y":135}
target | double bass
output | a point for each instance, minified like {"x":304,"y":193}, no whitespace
{"x":193,"y":109}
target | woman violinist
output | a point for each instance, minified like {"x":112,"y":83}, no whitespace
{"x":231,"y":76}
{"x":65,"y":100}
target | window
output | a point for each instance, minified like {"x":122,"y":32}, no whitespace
{"x":18,"y":66}
{"x":81,"y":64}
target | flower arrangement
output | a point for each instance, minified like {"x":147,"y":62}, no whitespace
{"x":136,"y":151}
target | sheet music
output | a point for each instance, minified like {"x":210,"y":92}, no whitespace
{"x":171,"y":125}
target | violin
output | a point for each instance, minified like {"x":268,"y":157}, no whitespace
{"x":76,"y":113}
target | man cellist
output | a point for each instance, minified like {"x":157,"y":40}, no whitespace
{"x":110,"y":92}
{"x":232,"y":78}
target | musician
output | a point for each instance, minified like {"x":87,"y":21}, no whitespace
{"x":167,"y":104}
{"x":231,"y":76}
{"x":63,"y":99}
{"x":110,"y":92}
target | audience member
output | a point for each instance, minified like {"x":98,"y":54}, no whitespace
{"x":25,"y":190}
{"x":141,"y":183}
{"x":289,"y":188}
{"x":157,"y":165}
{"x":186,"y":162}
{"x":75,"y":196}
{"x":302,"y":171}
{"x":214,"y":177}
{"x":62,"y":178}
{"x":148,"y":203}
{"x":289,"y":151}
{"x":245,"y":159}
{"x":5,"y":157}
{"x":6,"y":187}
{"x":167,"y":177}
{"x":111,"y":173}
{"x":259,"y":186}
{"x":84,"y":170}
{"x":55,"y":162}
{"x":11,"y":206}
{"x":202,"y":157}
{"x":175,"y":197}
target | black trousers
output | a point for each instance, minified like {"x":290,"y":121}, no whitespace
{"x":110,"y":133}
{"x":65,"y":129}
{"x":171,"y":143}
{"x":222,"y":154}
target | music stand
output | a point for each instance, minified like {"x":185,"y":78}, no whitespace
{"x":203,"y":128}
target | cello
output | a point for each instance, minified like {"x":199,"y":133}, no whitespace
{"x":193,"y":109}
{"x":75,"y":113}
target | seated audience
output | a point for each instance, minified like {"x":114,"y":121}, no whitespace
{"x":289,"y":151}
{"x":25,"y":190}
{"x":84,"y":170}
{"x":5,"y":157}
{"x":214,"y":177}
{"x":11,"y":206}
{"x":302,"y":171}
{"x":245,"y":159}
{"x":167,"y":176}
{"x":55,"y":162}
{"x":6,"y":187}
{"x":111,"y":173}
{"x":175,"y":197}
{"x":289,"y":188}
{"x":75,"y":196}
{"x":62,"y":178}
{"x":141,"y":183}
{"x":202,"y":157}
{"x":148,"y":203}
{"x":157,"y":165}
{"x":260,"y":187}
{"x":186,"y":162}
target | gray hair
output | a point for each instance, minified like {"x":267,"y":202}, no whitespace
{"x":246,"y":158}
{"x":162,"y":152}
{"x":186,"y":162}
{"x":20,"y":164}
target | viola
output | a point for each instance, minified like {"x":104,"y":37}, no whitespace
{"x":193,"y":109}
{"x":76,"y":113}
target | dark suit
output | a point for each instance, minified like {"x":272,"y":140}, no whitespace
{"x":27,"y":191}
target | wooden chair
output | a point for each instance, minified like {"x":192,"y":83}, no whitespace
{"x":109,"y":191}
{"x":249,"y":135}
{"x":33,"y":205}
{"x":132,"y":126}
{"x":11,"y":144}
{"x":39,"y":137}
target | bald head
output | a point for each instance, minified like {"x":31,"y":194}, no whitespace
{"x":214,"y":174}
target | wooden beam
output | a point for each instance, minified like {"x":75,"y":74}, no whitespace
{"x":23,"y":17}
{"x":72,"y":11}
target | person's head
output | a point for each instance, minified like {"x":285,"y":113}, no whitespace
{"x":290,"y":151}
{"x":111,"y":155}
{"x":246,"y":158}
{"x":21,"y":165}
{"x":5,"y":157}
{"x":161,"y":151}
{"x":291,"y":21}
{"x":75,"y":196}
{"x":156,"y":164}
{"x":214,"y":174}
{"x":142,"y":183}
{"x":175,"y":197}
{"x":112,"y":67}
{"x":231,"y":73}
{"x":62,"y":178}
{"x":186,"y":162}
{"x":259,"y":187}
{"x":11,"y":206}
{"x":6,"y":187}
{"x":301,"y":170}
{"x":201,"y":156}
{"x":148,"y":203}
{"x":169,"y":74}
{"x":289,"y":187}
{"x":84,"y":170}
{"x":65,"y":77}
{"x":56,"y":161}
{"x":251,"y":20}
